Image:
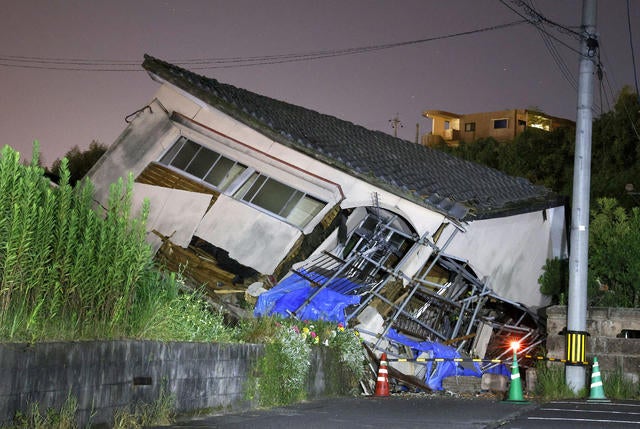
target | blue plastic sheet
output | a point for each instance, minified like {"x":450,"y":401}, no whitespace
{"x":292,"y":292}
{"x":438,"y":371}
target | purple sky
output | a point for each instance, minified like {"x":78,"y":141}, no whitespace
{"x":506,"y":68}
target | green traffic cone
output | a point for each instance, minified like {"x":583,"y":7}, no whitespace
{"x":515,"y":387}
{"x":597,"y":388}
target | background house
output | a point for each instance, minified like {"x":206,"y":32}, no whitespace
{"x":452,"y":128}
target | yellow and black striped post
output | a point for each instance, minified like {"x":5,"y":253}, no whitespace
{"x":576,"y":347}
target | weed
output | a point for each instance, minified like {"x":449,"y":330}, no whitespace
{"x":618,"y":386}
{"x":550,"y":382}
{"x":65,"y":418}
{"x":160,"y":412}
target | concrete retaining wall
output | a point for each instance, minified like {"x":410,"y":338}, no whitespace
{"x":606,"y":327}
{"x":108,"y":375}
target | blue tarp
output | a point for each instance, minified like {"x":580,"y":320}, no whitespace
{"x":292,"y":292}
{"x":447,"y":368}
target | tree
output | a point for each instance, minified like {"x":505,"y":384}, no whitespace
{"x":546,"y":157}
{"x":616,"y":149}
{"x":79,"y":162}
{"x":614,"y":254}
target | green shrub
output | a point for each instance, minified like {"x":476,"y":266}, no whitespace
{"x":282,"y":373}
{"x":181,"y":316}
{"x":283,"y":368}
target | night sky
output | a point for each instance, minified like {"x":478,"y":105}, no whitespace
{"x":504,"y":68}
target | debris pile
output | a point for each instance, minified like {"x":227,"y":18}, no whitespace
{"x":443,"y":311}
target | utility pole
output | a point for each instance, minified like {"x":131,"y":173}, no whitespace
{"x":395,"y":124}
{"x":579,"y":251}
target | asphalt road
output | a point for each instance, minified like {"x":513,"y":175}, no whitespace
{"x":431,"y":411}
{"x":406,"y":411}
{"x":585,"y":414}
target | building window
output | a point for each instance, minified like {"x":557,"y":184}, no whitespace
{"x":470,"y":126}
{"x":288,"y":203}
{"x":539,"y":121}
{"x":500,"y":123}
{"x":253,"y":187}
{"x":447,"y":125}
{"x":205,"y":164}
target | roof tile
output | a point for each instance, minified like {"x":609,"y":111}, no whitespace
{"x":410,"y":170}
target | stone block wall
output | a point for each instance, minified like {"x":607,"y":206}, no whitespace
{"x":606,"y":327}
{"x":105,"y":376}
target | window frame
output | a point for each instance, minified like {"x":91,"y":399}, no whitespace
{"x":494,"y":122}
{"x":243,"y":184}
{"x":287,"y":210}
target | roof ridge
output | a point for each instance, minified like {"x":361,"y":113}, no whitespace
{"x":464,"y":190}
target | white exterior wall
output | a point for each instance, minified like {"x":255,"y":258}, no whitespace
{"x":511,"y":252}
{"x":357,"y":192}
{"x":144,"y":140}
{"x":172,"y":212}
{"x":252,"y":237}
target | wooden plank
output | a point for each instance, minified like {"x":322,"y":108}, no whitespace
{"x":159,"y":175}
{"x":202,"y":271}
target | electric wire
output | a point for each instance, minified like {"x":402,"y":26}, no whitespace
{"x":557,"y":58}
{"x":75,"y":64}
{"x":633,"y":56}
{"x":537,"y":22}
{"x":531,"y":11}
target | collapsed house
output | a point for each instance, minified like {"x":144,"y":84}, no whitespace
{"x":428,"y":247}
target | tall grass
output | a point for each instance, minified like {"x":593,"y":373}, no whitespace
{"x":550,"y":382}
{"x":618,"y":386}
{"x":69,"y":271}
{"x":34,"y":418}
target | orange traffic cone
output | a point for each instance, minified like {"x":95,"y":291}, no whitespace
{"x":382,"y":385}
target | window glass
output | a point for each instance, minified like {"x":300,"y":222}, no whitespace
{"x":500,"y":123}
{"x":470,"y":126}
{"x":273,"y":196}
{"x":296,"y":196}
{"x":184,"y":157}
{"x":255,"y":182}
{"x":305,"y":210}
{"x":219,"y":171}
{"x":202,"y":162}
{"x":260,"y":190}
{"x":232,"y":174}
{"x":168,"y":157}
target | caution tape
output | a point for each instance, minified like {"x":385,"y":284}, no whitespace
{"x":541,"y":358}
{"x":572,"y":362}
{"x":445,"y":360}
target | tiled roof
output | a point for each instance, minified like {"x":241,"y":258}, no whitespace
{"x":460,"y":189}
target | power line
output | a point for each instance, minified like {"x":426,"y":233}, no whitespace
{"x":537,"y":22}
{"x":538,"y":17}
{"x":557,"y":58}
{"x":83,"y":64}
{"x":633,"y":56}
